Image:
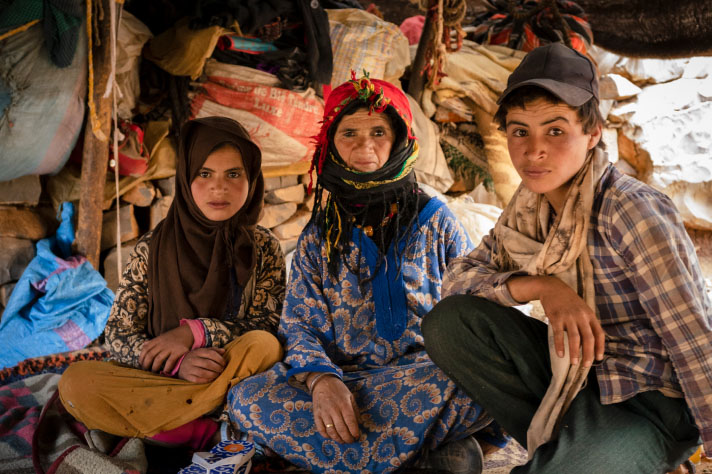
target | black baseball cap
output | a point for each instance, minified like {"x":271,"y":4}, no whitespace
{"x":563,"y":71}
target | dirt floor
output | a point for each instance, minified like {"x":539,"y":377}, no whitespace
{"x":703,"y":466}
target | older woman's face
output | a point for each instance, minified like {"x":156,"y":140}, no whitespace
{"x":364,"y":141}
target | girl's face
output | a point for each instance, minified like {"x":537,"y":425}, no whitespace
{"x":220,"y":188}
{"x":547,"y":146}
{"x":364,"y":141}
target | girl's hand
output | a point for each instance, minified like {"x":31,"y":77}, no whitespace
{"x":164,"y":351}
{"x":335,"y":410}
{"x":202,"y":365}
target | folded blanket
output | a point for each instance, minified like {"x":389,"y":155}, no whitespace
{"x":21,"y":403}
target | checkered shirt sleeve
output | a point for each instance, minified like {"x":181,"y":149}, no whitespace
{"x":476,"y":274}
{"x":651,"y":238}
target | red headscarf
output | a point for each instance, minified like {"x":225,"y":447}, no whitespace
{"x":375,"y":93}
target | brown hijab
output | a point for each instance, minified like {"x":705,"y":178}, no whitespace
{"x":190,"y":256}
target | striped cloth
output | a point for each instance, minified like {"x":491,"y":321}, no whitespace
{"x":21,"y":403}
{"x":526,"y":26}
{"x":650,"y":297}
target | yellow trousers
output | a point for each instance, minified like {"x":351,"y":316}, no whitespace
{"x":136,"y":403}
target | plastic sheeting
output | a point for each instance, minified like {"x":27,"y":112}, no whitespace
{"x":281,"y":122}
{"x":664,"y":130}
{"x":59,"y":304}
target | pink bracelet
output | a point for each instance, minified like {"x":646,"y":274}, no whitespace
{"x":176,"y":368}
{"x":198,"y":330}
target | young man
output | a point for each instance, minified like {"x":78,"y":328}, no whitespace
{"x":618,"y":279}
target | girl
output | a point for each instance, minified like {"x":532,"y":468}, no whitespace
{"x":198,"y":305}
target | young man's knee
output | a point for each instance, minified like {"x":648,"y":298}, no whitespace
{"x":454,"y":313}
{"x":442,"y":318}
{"x":453,"y":319}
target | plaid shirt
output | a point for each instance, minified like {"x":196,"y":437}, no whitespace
{"x":649,"y":293}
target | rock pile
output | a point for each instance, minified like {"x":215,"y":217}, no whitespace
{"x":22,"y":222}
{"x":287,"y":208}
{"x":660,"y":113}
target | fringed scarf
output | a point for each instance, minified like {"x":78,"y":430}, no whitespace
{"x":192,"y":259}
{"x":385,"y":199}
{"x":530,"y":243}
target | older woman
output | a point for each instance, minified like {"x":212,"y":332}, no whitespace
{"x":357,"y":392}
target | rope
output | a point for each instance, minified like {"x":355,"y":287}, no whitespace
{"x":562,"y":23}
{"x":454,"y":12}
{"x":439,"y":52}
{"x":19,"y":29}
{"x":93,"y":119}
{"x":448,"y":16}
{"x":115,"y":20}
{"x":93,"y":35}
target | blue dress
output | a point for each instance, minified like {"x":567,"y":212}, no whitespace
{"x":371,"y":338}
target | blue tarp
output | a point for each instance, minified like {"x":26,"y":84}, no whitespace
{"x":60,"y":303}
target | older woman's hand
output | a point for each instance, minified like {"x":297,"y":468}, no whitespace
{"x":335,"y":410}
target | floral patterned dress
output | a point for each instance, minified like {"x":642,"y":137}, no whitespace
{"x":368,"y":335}
{"x":127,"y":328}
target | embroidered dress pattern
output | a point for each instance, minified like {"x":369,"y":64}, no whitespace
{"x":372,"y":340}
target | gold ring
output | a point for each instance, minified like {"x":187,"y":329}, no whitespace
{"x":329,"y":425}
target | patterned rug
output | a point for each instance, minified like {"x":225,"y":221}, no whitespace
{"x":26,"y":388}
{"x":499,"y":462}
{"x":54,"y":364}
{"x":504,"y":460}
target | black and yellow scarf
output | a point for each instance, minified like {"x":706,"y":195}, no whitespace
{"x":386,"y":200}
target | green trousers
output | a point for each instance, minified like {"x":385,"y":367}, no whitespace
{"x":500,"y":357}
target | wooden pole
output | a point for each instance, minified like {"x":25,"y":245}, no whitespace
{"x":417,"y":80}
{"x":95,"y":155}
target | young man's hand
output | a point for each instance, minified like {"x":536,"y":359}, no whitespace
{"x":164,"y":351}
{"x":566,"y":311}
{"x":335,"y":410}
{"x":202,"y":365}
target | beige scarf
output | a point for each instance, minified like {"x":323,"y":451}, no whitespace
{"x":531,"y":244}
